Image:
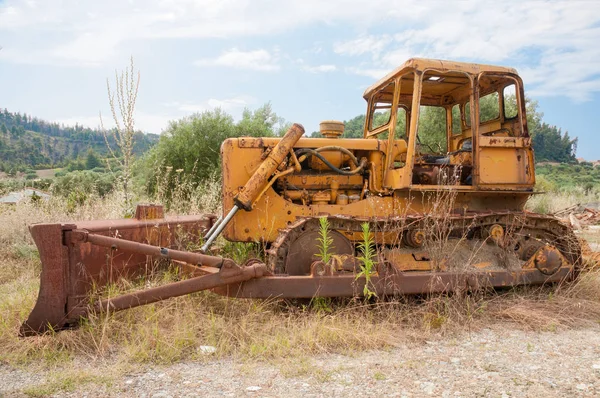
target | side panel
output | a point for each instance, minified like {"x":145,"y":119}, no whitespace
{"x":506,"y":160}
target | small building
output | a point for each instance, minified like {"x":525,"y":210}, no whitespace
{"x":15,"y":197}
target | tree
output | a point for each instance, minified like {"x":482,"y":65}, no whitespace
{"x":37,"y":142}
{"x":534,"y":115}
{"x":192,"y":144}
{"x":550,"y":144}
{"x":353,"y":128}
{"x":262,"y":122}
{"x":125,"y":93}
{"x":3,"y":129}
{"x":91,"y":160}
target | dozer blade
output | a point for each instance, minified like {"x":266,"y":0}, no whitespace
{"x":72,"y":267}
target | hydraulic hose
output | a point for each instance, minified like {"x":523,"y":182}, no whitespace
{"x":315,"y":152}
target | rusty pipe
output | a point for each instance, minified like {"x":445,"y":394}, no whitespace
{"x":260,"y":178}
{"x":272,"y":181}
{"x":142,"y":248}
{"x":230,"y":273}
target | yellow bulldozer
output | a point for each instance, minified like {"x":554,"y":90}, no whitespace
{"x":409,"y":208}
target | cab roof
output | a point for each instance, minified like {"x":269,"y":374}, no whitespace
{"x":424,"y":64}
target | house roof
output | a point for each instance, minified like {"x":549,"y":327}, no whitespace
{"x":16,"y":197}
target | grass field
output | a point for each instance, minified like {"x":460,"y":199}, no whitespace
{"x":46,"y":173}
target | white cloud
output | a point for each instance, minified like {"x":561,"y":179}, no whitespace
{"x":232,"y":104}
{"x":260,"y":60}
{"x":537,"y":37}
{"x":367,"y":44}
{"x":553,"y":44}
{"x":69,"y":27}
{"x":375,"y":73}
{"x":320,"y":68}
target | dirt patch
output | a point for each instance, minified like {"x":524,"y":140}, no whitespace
{"x":46,"y":173}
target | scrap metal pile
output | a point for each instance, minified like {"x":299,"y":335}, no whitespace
{"x":580,"y":216}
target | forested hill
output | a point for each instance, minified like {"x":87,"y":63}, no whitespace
{"x":29,"y":142}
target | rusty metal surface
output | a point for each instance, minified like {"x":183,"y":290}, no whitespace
{"x":305,"y":249}
{"x":63,"y":294}
{"x":83,"y":236}
{"x":422,"y":64}
{"x":70,"y":267}
{"x":229,"y":273}
{"x":526,"y":229}
{"x":49,"y":309}
{"x":392,"y":284}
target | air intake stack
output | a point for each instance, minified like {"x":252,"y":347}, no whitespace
{"x":331,"y":128}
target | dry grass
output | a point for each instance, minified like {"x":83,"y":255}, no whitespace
{"x":554,"y":201}
{"x":176,"y":329}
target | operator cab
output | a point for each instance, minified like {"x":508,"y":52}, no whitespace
{"x":449,"y":123}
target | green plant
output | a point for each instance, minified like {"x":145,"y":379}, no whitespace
{"x":321,"y":304}
{"x":325,"y":240}
{"x":367,"y":265}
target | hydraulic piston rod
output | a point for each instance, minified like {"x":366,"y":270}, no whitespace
{"x":211,"y":237}
{"x":214,"y":226}
{"x":258,"y":182}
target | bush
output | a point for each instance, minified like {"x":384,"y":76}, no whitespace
{"x":192,"y":145}
{"x":567,"y":176}
{"x":85,"y":183}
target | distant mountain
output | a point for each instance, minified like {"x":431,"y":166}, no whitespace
{"x":30,"y":142}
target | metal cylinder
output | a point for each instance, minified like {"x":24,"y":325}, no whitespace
{"x":331,"y":128}
{"x":260,"y":178}
{"x":142,"y":248}
{"x":342,"y":200}
{"x":214,"y":226}
{"x":217,"y":231}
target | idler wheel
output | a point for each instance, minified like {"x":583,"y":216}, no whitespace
{"x":530,"y":250}
{"x":548,"y":260}
{"x":414,"y":238}
{"x":495,"y":232}
{"x":319,"y":268}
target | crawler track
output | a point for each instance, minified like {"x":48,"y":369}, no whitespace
{"x":524,"y":233}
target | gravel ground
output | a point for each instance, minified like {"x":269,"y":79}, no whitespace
{"x":498,"y":362}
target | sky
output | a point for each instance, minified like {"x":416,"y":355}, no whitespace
{"x":311,"y":59}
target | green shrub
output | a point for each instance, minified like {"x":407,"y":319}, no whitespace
{"x":84,"y":182}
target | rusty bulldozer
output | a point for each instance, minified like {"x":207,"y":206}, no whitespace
{"x":441,"y":220}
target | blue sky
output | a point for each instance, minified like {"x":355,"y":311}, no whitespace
{"x":311,"y":59}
